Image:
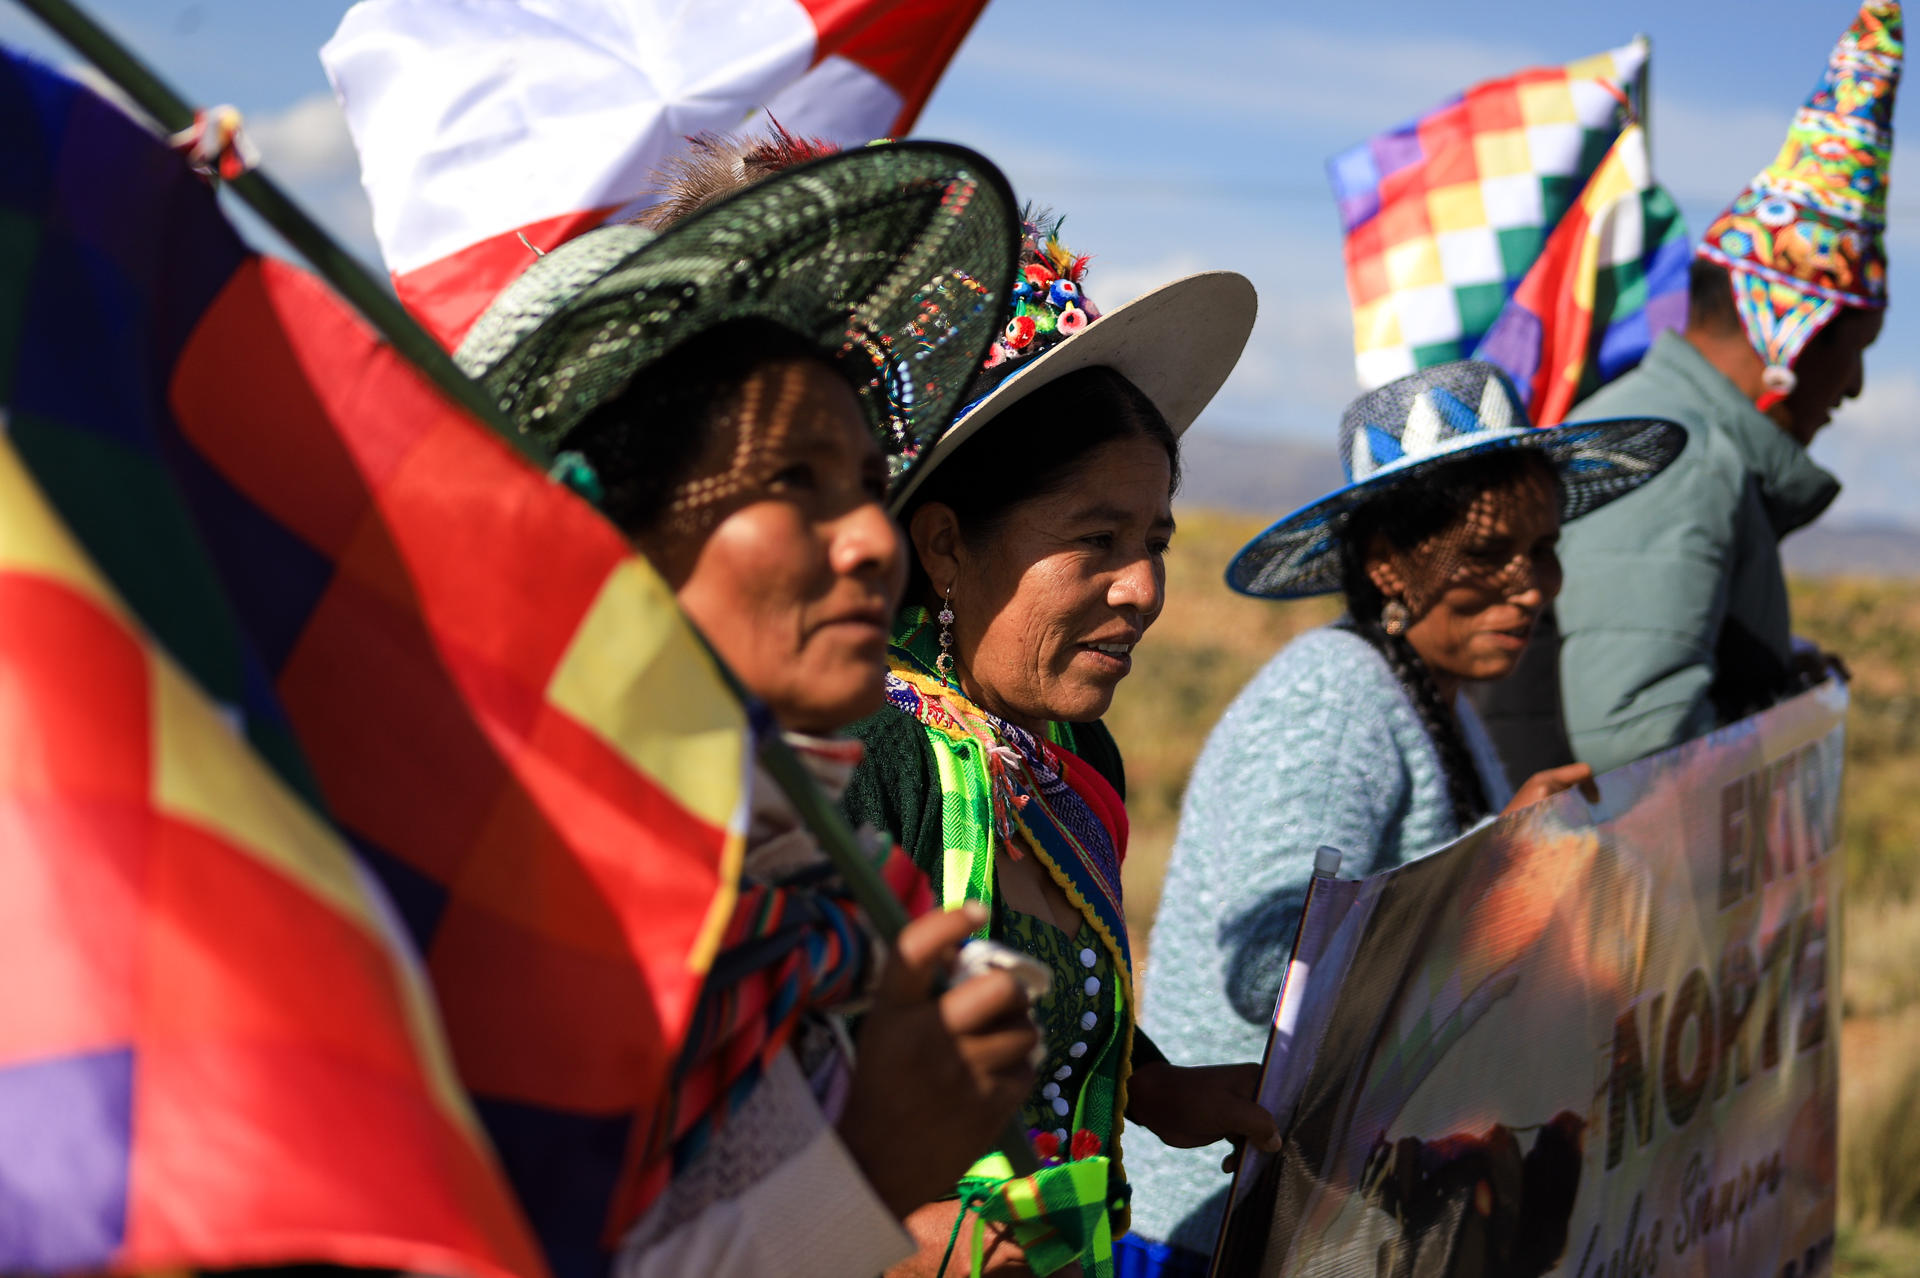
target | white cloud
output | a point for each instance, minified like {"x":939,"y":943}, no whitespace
{"x":1297,"y":371}
{"x":1889,"y":407}
{"x":1224,"y":69}
{"x":306,"y":148}
{"x":1121,"y":282}
{"x":1707,"y":153}
{"x":306,"y":142}
{"x":1869,"y":447}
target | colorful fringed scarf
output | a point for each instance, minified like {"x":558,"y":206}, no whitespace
{"x":1002,"y":786}
{"x":796,"y":945}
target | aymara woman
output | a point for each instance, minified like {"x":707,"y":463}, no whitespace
{"x":730,"y":393}
{"x":1355,"y":736}
{"x":1038,"y":524}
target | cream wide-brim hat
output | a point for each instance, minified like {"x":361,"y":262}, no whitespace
{"x":1176,"y":344}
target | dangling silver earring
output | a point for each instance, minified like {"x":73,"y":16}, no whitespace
{"x":944,"y":662}
{"x":1395,"y":617}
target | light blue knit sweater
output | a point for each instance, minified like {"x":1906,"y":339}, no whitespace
{"x":1322,"y":747}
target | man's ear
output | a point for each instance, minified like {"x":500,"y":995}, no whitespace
{"x":935,"y":533}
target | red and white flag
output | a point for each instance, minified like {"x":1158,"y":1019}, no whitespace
{"x":479,"y":122}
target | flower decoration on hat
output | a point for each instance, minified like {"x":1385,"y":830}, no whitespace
{"x":1053,"y":1151}
{"x":1807,"y":236}
{"x":1049,"y":302}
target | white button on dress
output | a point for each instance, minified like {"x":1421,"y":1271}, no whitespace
{"x":1088,"y":958}
{"x":1088,"y":1020}
{"x":1077,"y":1050}
{"x":1093,"y":985}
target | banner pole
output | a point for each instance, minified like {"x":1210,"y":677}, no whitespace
{"x":1642,"y":87}
{"x":402,"y":332}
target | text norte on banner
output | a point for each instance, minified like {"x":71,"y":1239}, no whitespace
{"x":1775,"y":822}
{"x":1593,"y":1040}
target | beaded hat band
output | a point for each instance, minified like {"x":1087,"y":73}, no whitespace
{"x":1393,"y":436}
{"x":894,"y":260}
{"x":1175,"y":344}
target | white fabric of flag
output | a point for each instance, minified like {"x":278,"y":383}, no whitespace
{"x":479,"y":122}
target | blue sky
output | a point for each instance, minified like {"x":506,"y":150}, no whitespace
{"x":1182,"y":136}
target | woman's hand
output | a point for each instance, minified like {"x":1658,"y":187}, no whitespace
{"x":935,"y":1080}
{"x":1187,"y":1106}
{"x":1544,"y":785}
{"x":932,"y":1226}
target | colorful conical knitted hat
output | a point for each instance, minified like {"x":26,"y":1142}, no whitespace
{"x":1807,"y":236}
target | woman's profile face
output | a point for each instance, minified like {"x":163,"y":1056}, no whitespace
{"x":796,"y":586}
{"x":1049,"y":605}
{"x":1480,"y":585}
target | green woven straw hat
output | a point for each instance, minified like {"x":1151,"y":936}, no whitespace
{"x":895,"y":259}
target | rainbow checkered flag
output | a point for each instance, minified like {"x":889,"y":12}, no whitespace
{"x":214,"y":1048}
{"x":1445,"y":215}
{"x":293,"y":648}
{"x":1613,"y":275}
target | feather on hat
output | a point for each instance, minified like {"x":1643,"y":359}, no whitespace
{"x":715,"y":165}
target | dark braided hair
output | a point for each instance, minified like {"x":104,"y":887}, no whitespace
{"x":1409,"y":516}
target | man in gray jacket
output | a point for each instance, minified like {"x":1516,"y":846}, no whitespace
{"x":1674,"y":617}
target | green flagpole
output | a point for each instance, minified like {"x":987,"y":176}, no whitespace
{"x":333,"y":263}
{"x":402,"y":332}
{"x":1643,"y":88}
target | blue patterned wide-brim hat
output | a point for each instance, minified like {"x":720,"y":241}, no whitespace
{"x":1392,"y":436}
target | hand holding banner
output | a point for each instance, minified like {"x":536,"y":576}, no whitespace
{"x":1587,"y":1041}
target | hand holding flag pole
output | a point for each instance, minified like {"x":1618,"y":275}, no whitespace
{"x":399,"y":329}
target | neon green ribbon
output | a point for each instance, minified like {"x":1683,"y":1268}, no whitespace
{"x":1058,"y":1215}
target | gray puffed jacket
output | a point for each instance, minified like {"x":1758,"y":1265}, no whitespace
{"x":1673,"y":618}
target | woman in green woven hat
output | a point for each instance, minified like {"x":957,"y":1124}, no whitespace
{"x":735,"y":393}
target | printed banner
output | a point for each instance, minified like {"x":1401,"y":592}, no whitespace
{"x":1587,"y":1040}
